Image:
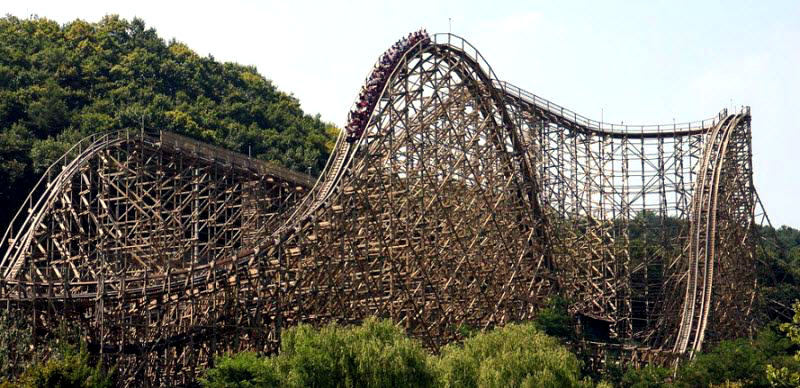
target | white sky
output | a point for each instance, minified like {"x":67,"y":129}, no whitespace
{"x":641,"y":62}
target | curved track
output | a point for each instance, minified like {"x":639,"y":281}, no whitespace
{"x":459,"y":200}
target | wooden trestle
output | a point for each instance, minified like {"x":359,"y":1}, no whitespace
{"x":466,"y":201}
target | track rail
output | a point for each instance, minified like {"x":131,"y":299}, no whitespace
{"x":20,"y":232}
{"x":39,"y":197}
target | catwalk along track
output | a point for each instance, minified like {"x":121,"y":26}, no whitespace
{"x":451,"y":198}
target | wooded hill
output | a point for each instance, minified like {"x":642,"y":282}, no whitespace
{"x":59,"y":83}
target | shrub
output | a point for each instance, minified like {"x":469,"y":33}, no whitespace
{"x":553,"y":319}
{"x":731,"y":363}
{"x":15,"y":345}
{"x":735,"y":360}
{"x":69,"y":370}
{"x":650,"y":376}
{"x":518,"y":355}
{"x":785,"y":372}
{"x":243,"y":370}
{"x":375,"y":354}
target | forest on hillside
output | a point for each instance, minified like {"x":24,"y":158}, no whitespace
{"x":59,"y":83}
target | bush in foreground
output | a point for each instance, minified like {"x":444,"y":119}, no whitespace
{"x":553,"y":319}
{"x":512,"y":356}
{"x":650,"y":376}
{"x":379,"y":354}
{"x":375,"y":354}
{"x":71,"y":369}
{"x":244,"y":370}
{"x":730,"y":363}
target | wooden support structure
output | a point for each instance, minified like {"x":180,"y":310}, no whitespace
{"x":465,"y":201}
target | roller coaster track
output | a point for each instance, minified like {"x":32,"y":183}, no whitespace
{"x":19,"y":247}
{"x":461,"y":200}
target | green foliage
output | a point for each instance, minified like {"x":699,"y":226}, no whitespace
{"x":375,"y":354}
{"x":553,"y":319}
{"x":512,"y":356}
{"x":737,"y":360}
{"x":732,"y":363}
{"x":59,"y":83}
{"x":729,"y":384}
{"x":15,"y":345}
{"x":650,"y":376}
{"x":242,"y":370}
{"x":466,"y":330}
{"x":66,"y":363}
{"x":68,"y":370}
{"x":379,"y":354}
{"x":783,"y":375}
{"x":780,"y":280}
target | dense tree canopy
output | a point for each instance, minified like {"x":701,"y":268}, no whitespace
{"x":781,"y":280}
{"x":59,"y":83}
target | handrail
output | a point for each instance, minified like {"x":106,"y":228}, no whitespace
{"x":691,"y":127}
{"x":19,"y":226}
{"x":42,"y":185}
{"x":600,"y":127}
{"x":213,"y":152}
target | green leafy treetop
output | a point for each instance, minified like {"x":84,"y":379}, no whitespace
{"x":374,"y":354}
{"x":379,"y":354}
{"x":71,"y":369}
{"x":783,"y":376}
{"x":59,"y":83}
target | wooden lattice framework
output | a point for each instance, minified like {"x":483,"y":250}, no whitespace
{"x":465,"y":201}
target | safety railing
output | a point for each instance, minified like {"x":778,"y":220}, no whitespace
{"x":610,"y":128}
{"x":509,"y":89}
{"x":218,"y":154}
{"x":14,"y":238}
{"x":37,"y":199}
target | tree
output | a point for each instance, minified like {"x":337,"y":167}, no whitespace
{"x":737,"y":360}
{"x":71,"y":370}
{"x":517,"y":355}
{"x":650,"y":376}
{"x":60,"y":83}
{"x":784,"y":376}
{"x":374,"y":354}
{"x":553,"y":319}
{"x":243,"y":370}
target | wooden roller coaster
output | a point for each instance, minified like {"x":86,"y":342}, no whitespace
{"x":459,"y":200}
